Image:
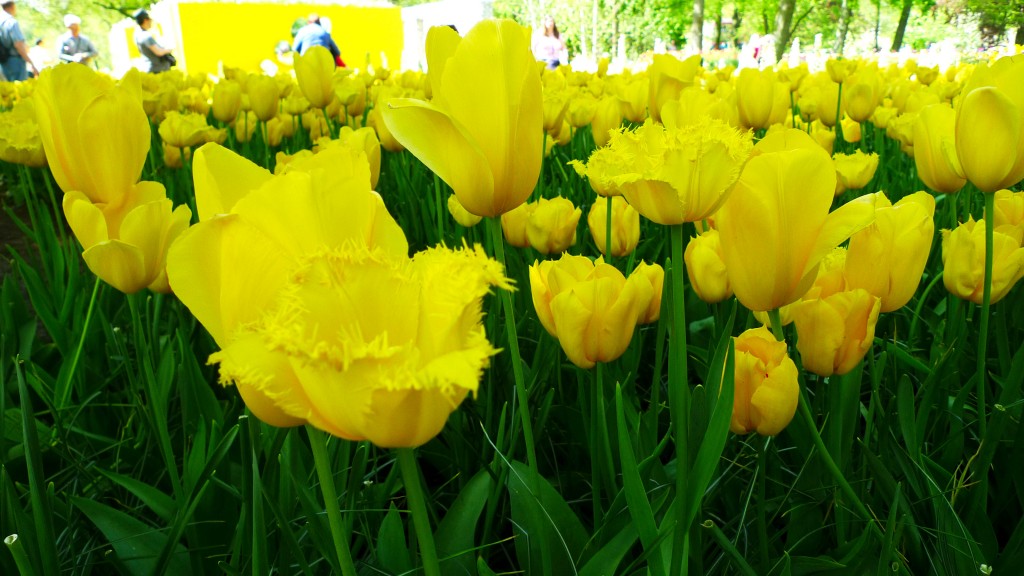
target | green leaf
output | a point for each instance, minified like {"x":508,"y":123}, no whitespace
{"x":392,"y":551}
{"x":135,"y":544}
{"x":160,"y":503}
{"x":607,"y":559}
{"x":455,"y":536}
{"x":543,"y":515}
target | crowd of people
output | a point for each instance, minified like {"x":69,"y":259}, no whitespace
{"x":18,"y":61}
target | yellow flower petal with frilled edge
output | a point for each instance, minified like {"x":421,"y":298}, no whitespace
{"x":222,"y":178}
{"x":265,"y":381}
{"x":445,"y":146}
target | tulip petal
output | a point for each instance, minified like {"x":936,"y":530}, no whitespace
{"x":85,"y":219}
{"x":440,"y":45}
{"x":119,"y":264}
{"x":503,"y":115}
{"x":222,"y":178}
{"x":839,"y":226}
{"x":445,"y":146}
{"x":988,"y":128}
{"x":265,"y":381}
{"x":775,"y":400}
{"x":114,"y":161}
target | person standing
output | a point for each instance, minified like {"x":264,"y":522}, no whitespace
{"x":73,"y":46}
{"x":314,"y":34}
{"x":153,"y":54}
{"x":548,"y":44}
{"x":13,"y":51}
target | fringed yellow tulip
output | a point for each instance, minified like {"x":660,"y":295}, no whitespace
{"x":625,"y":226}
{"x":963,"y":260}
{"x":600,"y":169}
{"x":482,"y":132}
{"x":854,"y":171}
{"x":836,"y":332}
{"x":678,"y":175}
{"x":776,"y":226}
{"x":767,"y":390}
{"x":306,"y":333}
{"x":590,"y":307}
{"x":19,"y":136}
{"x":888,"y":257}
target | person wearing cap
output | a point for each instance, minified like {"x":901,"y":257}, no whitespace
{"x":73,"y":46}
{"x":13,"y":50}
{"x":314,"y":34}
{"x":153,"y":53}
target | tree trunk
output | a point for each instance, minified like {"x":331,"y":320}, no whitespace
{"x":783,"y":22}
{"x":901,"y":28}
{"x":878,"y":22}
{"x":697,"y":27}
{"x":718,"y":30}
{"x":593,"y":33}
{"x":737,"y":18}
{"x":1019,"y":37}
{"x":844,"y":27}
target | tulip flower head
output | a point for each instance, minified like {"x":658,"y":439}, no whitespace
{"x":625,"y":226}
{"x":590,"y":307}
{"x":935,"y":149}
{"x":963,"y":260}
{"x":306,"y":333}
{"x":835,"y":332}
{"x":314,"y":71}
{"x":854,"y":171}
{"x":482,"y":132}
{"x":551,"y":228}
{"x":767,"y":390}
{"x":990,"y":125}
{"x":705,"y":268}
{"x":776,"y":227}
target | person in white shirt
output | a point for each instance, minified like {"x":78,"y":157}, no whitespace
{"x":74,"y":47}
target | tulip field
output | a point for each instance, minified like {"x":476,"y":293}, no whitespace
{"x":497,"y":319}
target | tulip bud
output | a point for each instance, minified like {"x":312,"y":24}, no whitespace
{"x":767,"y":390}
{"x":705,"y":268}
{"x":313,"y":72}
{"x":227,"y":101}
{"x":513,"y":224}
{"x":589,"y":306}
{"x":264,"y":95}
{"x":935,"y":149}
{"x":551,"y":228}
{"x":990,"y":127}
{"x":656,"y":275}
{"x":461,"y":215}
{"x":963,"y":261}
{"x":835,"y":332}
{"x":625,"y":225}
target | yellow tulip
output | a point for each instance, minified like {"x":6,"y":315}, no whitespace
{"x":767,"y":390}
{"x":264,"y":96}
{"x":127,"y":246}
{"x":836,"y":332}
{"x":387,"y":139}
{"x":963,"y":260}
{"x":633,"y":98}
{"x":927,"y":75}
{"x":854,"y":171}
{"x":295,"y":104}
{"x":705,"y":268}
{"x":313,"y":72}
{"x":245,"y":126}
{"x":581,"y":111}
{"x":607,"y":119}
{"x":1009,"y":209}
{"x":861,"y":95}
{"x":187,"y":130}
{"x":828,"y":102}
{"x":989,"y":126}
{"x":600,"y":169}
{"x":761,"y":98}
{"x":882,"y":116}
{"x":655,"y":274}
{"x":514,"y":223}
{"x":668,"y":76}
{"x":551,"y":228}
{"x":590,"y":307}
{"x":173,"y":157}
{"x":482,"y":132}
{"x":776,"y":228}
{"x":888,"y":257}
{"x":460,"y":214}
{"x":227,"y":101}
{"x":306,"y":334}
{"x":839,"y":69}
{"x":851,"y":130}
{"x":625,"y":226}
{"x":556,"y":103}
{"x":935,"y":149}
{"x":95,"y":132}
{"x":678,"y":175}
{"x":19,"y":136}
{"x":350,"y":90}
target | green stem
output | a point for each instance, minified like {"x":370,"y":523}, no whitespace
{"x":65,"y":390}
{"x":839,"y":119}
{"x":418,"y":506}
{"x":679,"y":398}
{"x":440,"y":210}
{"x":608,"y":232}
{"x":318,"y":443}
{"x":602,"y":423}
{"x":775,"y":317}
{"x":730,"y":550}
{"x":986,"y":303}
{"x":498,"y":244}
{"x":21,"y":560}
{"x":762,"y":505}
